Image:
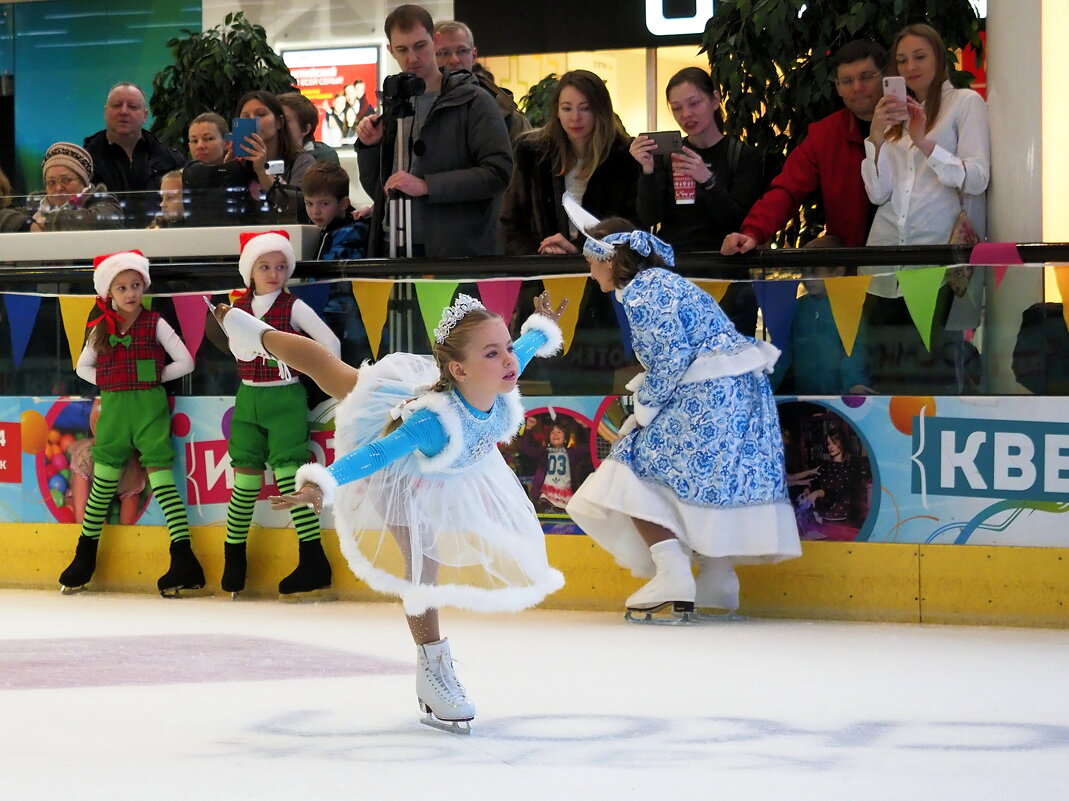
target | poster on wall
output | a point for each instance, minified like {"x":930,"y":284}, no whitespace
{"x":906,"y":469}
{"x":341,"y":83}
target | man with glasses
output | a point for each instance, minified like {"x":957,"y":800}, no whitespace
{"x":455,"y":50}
{"x":828,"y":159}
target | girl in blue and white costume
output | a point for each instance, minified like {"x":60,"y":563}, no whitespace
{"x":703,"y":471}
{"x":428,"y":509}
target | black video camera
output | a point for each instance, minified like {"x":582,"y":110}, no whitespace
{"x":398,"y":90}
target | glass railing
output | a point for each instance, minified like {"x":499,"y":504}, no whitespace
{"x":907,"y":329}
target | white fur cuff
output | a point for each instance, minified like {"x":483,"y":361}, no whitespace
{"x":551,"y":331}
{"x":315,"y":473}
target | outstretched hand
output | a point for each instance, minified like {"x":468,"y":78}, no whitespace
{"x":543,"y":305}
{"x":309,"y":495}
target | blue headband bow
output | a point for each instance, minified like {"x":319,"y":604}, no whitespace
{"x":644,"y":243}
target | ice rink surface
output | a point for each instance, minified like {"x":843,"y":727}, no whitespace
{"x":117,"y":697}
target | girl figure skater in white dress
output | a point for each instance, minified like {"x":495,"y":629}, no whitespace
{"x":702,"y":474}
{"x":425,"y":506}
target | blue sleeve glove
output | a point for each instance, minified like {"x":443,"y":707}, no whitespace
{"x":422,"y":432}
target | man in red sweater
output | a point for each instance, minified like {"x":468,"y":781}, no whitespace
{"x":828,"y":159}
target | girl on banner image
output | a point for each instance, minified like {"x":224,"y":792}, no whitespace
{"x":270,"y":421}
{"x":125,"y":355}
{"x":425,"y":506}
{"x":702,"y":472}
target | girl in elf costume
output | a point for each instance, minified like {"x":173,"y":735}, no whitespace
{"x":126,"y":356}
{"x":270,"y":422}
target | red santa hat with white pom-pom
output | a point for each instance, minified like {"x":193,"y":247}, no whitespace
{"x":106,"y":267}
{"x":255,"y":245}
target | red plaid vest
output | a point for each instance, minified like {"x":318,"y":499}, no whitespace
{"x":260,"y":371}
{"x":117,"y":366}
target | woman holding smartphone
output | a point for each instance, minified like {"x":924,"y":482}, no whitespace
{"x":921,"y":155}
{"x":582,"y":150}
{"x":728,"y":178}
{"x":271,"y":142}
{"x":925,"y":160}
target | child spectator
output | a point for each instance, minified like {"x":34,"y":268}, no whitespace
{"x":326,"y":201}
{"x":172,"y":204}
{"x":814,"y":361}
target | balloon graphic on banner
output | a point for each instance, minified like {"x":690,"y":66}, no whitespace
{"x":904,"y":408}
{"x":34,"y":432}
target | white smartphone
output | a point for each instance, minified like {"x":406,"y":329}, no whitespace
{"x":895,"y":86}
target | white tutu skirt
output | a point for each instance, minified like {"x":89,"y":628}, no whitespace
{"x":467,"y":539}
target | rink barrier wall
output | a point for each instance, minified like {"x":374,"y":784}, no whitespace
{"x":891,"y":582}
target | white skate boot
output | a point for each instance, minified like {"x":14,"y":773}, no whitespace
{"x":672,"y":586}
{"x":717,"y":588}
{"x":440,"y":695}
{"x":245,"y":333}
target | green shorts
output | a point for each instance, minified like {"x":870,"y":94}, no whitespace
{"x":269,"y":427}
{"x":134,"y":419}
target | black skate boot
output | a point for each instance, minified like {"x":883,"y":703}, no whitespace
{"x":311,"y":578}
{"x":235,"y":566}
{"x":185,"y":572}
{"x":81,"y":568}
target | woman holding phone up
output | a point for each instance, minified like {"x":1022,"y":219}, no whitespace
{"x":925,"y":160}
{"x":921,"y":155}
{"x":702,"y":193}
{"x":271,"y":142}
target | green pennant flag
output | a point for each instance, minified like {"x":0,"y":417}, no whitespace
{"x":920,"y":289}
{"x":433,"y":296}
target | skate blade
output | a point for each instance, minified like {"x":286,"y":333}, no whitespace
{"x":63,"y":590}
{"x":310,"y":597}
{"x":450,"y":726}
{"x":717,"y":617}
{"x":184,"y":592}
{"x":656,"y":617}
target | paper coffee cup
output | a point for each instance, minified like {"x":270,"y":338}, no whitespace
{"x":684,"y":187}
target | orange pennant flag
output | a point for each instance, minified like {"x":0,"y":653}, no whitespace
{"x":715,"y":288}
{"x":846,"y":296}
{"x":75,"y":309}
{"x":1061,"y":275}
{"x":373,"y":300}
{"x":572,"y":288}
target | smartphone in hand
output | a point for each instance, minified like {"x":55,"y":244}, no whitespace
{"x":667,"y":142}
{"x":240,"y":127}
{"x":894,"y":86}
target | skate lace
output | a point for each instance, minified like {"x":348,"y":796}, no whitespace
{"x":440,"y":670}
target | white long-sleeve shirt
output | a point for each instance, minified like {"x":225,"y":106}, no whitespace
{"x":917,"y":195}
{"x":181,"y":361}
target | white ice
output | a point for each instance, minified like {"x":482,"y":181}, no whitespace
{"x":117,"y":697}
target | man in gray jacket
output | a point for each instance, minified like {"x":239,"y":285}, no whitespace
{"x":461,"y":156}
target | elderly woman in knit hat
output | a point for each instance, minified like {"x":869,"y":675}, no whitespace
{"x":70,"y":202}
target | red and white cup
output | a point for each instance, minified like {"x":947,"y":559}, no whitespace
{"x":684,"y":187}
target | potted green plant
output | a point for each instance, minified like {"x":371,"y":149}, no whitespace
{"x":772,"y":59}
{"x":211,"y":71}
{"x":535,"y":104}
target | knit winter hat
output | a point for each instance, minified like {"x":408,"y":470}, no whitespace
{"x":255,"y":245}
{"x":74,"y":158}
{"x":106,"y":267}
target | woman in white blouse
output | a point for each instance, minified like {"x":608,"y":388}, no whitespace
{"x":914,"y":170}
{"x":923,"y":159}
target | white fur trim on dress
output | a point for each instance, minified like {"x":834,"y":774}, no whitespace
{"x":315,"y":473}
{"x":548,"y":327}
{"x":514,"y":404}
{"x":757,"y":359}
{"x":439,"y":404}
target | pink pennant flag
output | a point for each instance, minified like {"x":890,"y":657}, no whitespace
{"x":192,"y":314}
{"x":997,"y":254}
{"x":500,"y":296}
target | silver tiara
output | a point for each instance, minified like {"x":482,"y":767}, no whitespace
{"x":454,"y":314}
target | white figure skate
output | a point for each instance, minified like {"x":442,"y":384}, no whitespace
{"x":245,"y":334}
{"x":441,"y":696}
{"x":717,"y":589}
{"x":672,"y":588}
